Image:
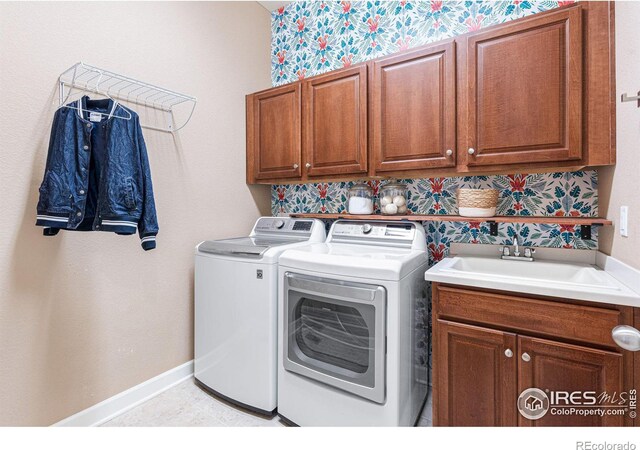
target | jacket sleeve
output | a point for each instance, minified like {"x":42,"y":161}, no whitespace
{"x":148,"y":223}
{"x":49,"y":231}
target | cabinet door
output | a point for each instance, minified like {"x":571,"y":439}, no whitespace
{"x":414,"y":110}
{"x":273,"y":121}
{"x":523,"y":91}
{"x":556,"y":366}
{"x":474,"y":379}
{"x":335,"y":123}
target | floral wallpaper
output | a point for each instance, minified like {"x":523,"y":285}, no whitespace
{"x":312,"y":37}
{"x":546,"y":194}
{"x":549,"y":194}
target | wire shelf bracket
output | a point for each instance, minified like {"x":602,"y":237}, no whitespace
{"x":87,"y":78}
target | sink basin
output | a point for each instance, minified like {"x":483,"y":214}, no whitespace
{"x":546,"y":277}
{"x":538,"y":271}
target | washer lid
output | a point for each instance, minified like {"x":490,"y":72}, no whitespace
{"x":253,"y":247}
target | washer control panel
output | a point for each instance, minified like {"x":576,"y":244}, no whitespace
{"x":283,"y":225}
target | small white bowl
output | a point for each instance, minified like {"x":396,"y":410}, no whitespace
{"x":477,"y":212}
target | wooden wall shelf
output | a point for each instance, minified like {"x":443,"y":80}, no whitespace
{"x":556,"y":220}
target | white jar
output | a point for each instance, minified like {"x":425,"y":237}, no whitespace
{"x":360,"y":199}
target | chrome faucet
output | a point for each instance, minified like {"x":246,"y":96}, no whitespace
{"x":505,"y":252}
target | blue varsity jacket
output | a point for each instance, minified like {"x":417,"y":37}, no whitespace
{"x":97,"y":176}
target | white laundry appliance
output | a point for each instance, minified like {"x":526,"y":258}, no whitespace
{"x":351,"y":327}
{"x":236,"y":293}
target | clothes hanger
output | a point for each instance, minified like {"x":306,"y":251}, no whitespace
{"x":96,"y":90}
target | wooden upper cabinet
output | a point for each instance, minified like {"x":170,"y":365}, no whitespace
{"x":335,"y":123}
{"x":536,"y":93}
{"x":556,"y":366}
{"x":521,"y":87}
{"x":474,"y":379}
{"x":274,"y":134}
{"x":413,"y":120}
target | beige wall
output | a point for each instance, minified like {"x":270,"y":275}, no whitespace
{"x":84,"y":316}
{"x":620,"y":185}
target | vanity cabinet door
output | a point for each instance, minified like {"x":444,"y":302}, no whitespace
{"x":335,"y":123}
{"x":474,"y":376}
{"x":274,"y":134}
{"x":413,"y":120}
{"x":555,"y":366}
{"x":521,"y":100}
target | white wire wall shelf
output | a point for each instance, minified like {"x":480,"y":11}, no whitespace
{"x":86,"y":78}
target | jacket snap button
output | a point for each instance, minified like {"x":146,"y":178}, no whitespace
{"x":88,"y":125}
{"x":81,"y":191}
{"x":78,"y":214}
{"x":86,"y":147}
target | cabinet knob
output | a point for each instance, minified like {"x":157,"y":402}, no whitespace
{"x":295,"y":166}
{"x":508,"y":353}
{"x":626,"y":337}
{"x":471,"y":151}
{"x":526,"y":357}
{"x":449,"y":152}
{"x":307,"y":165}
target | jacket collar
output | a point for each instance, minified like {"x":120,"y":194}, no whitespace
{"x":83,"y":111}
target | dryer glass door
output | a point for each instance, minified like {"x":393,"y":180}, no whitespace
{"x":335,"y":333}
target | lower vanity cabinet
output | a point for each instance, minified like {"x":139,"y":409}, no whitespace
{"x":474,"y":383}
{"x":488,"y":347}
{"x":568,"y":368}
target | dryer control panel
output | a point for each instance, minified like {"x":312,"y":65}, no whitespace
{"x":285,"y":226}
{"x":397,"y":234}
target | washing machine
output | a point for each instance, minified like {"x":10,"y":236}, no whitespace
{"x":236,"y":293}
{"x":351,"y":339}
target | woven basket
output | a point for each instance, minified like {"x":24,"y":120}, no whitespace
{"x":477,"y":202}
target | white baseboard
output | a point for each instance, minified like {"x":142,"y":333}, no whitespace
{"x":124,"y":401}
